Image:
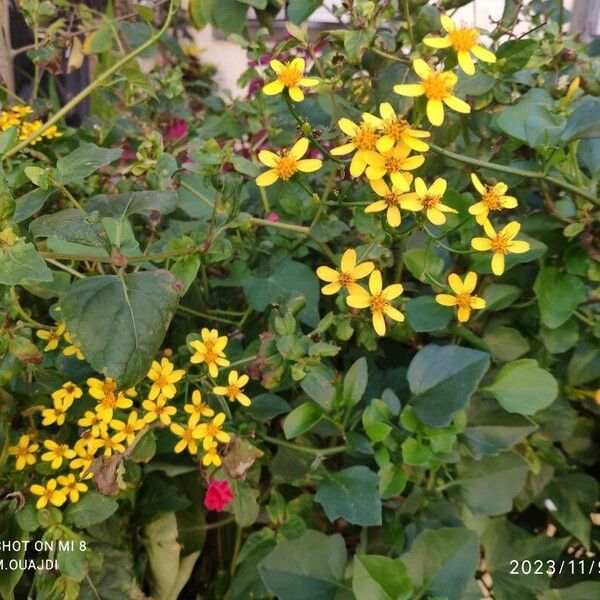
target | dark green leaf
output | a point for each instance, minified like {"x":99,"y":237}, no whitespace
{"x":499,"y":295}
{"x":506,"y":343}
{"x":301,"y":419}
{"x":418,"y":261}
{"x":513,"y":55}
{"x":355,"y":381}
{"x":356,"y":41}
{"x":92,"y":508}
{"x":299,"y":10}
{"x":584,"y":121}
{"x":584,"y":365}
{"x":267,"y":406}
{"x":120,"y":206}
{"x":31,"y":202}
{"x":425,"y":314}
{"x":21,"y":263}
{"x":84,"y":161}
{"x":380,"y":578}
{"x":318,"y":386}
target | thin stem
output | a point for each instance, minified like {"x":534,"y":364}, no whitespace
{"x":72,"y":199}
{"x":409,"y":24}
{"x":389,"y":56}
{"x":65,"y":268}
{"x":203,"y":315}
{"x":98,"y":82}
{"x":243,"y":360}
{"x":436,"y":239}
{"x":521,"y":172}
{"x":306,"y":449}
{"x":218,"y":524}
{"x":21,"y":311}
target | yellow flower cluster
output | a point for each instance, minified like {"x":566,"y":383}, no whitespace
{"x":115,"y":424}
{"x":16,"y":116}
{"x":52,"y":338}
{"x":386,"y":149}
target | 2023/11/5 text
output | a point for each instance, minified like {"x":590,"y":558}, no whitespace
{"x":572,"y":566}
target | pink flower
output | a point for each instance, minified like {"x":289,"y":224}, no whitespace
{"x":273,"y":217}
{"x":218,"y":495}
{"x":177,"y":129}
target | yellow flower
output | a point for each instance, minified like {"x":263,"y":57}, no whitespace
{"x":395,"y":163}
{"x":492,"y":198}
{"x":164,"y":377}
{"x":108,"y":397}
{"x":197,"y":409}
{"x":28,"y":129}
{"x":211,"y":432}
{"x":85,"y":449}
{"x":573,"y":87}
{"x":72,"y":348}
{"x":362,"y":139}
{"x":464,"y":299}
{"x":71,"y":486}
{"x":430,"y":200}
{"x":158,"y":409}
{"x":465,"y":41}
{"x":8,"y":120}
{"x":378,"y":300}
{"x":188,"y":435}
{"x":437,"y":86}
{"x":110,"y":444}
{"x":126,"y":431}
{"x":51,"y":336}
{"x":67,"y":393}
{"x":94,"y":421}
{"x":211,"y":456}
{"x":396,"y":130}
{"x":60,"y":406}
{"x":234,"y":390}
{"x":48,"y":494}
{"x":21,"y":110}
{"x":52,"y":132}
{"x":286,"y":163}
{"x":347,"y":276}
{"x":393,"y":200}
{"x":24,"y":451}
{"x":56,"y":453}
{"x":500,"y":244}
{"x":209,"y":350}
{"x":290,"y":75}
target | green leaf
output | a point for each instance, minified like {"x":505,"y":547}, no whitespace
{"x":120,"y":322}
{"x":91,"y":509}
{"x":513,"y":55}
{"x":245,"y":503}
{"x":28,"y":204}
{"x":301,"y":419}
{"x":163,"y":554}
{"x":100,"y":40}
{"x":489,"y":485}
{"x":299,"y":10}
{"x":355,"y":381}
{"x":9,"y":577}
{"x":310,"y":567}
{"x":523,"y":387}
{"x":230,"y":15}
{"x":380,"y":578}
{"x":356,"y":42}
{"x":443,"y":561}
{"x":584,"y":121}
{"x":8,"y":139}
{"x":442,"y":379}
{"x":506,"y":343}
{"x":558,"y":294}
{"x":351,"y":494}
{"x":585,"y":590}
{"x":266,"y":406}
{"x":244,"y":166}
{"x":318,"y":386}
{"x":7,"y":201}
{"x":120,"y":206}
{"x":425,"y":314}
{"x":584,"y":365}
{"x":288,"y":278}
{"x":418,"y":261}
{"x":84,"y":161}
{"x":73,"y":226}
{"x":21,"y":263}
{"x":562,"y":338}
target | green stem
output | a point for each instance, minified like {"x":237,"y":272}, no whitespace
{"x":203,"y":315}
{"x":306,"y":449}
{"x":98,"y":82}
{"x":521,"y":172}
{"x":71,"y":198}
{"x":409,"y":23}
{"x":389,"y":56}
{"x":436,"y":239}
{"x":243,"y":360}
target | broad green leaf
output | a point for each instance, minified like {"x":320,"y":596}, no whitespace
{"x":73,"y":226}
{"x":506,"y":343}
{"x":230,"y":15}
{"x":299,"y":10}
{"x":28,"y":204}
{"x":425,"y":314}
{"x":7,"y":200}
{"x":562,"y":338}
{"x":8,"y":139}
{"x":588,"y":154}
{"x":318,"y":386}
{"x":489,"y":485}
{"x":442,"y":379}
{"x":267,"y":406}
{"x":84,"y":161}
{"x":92,"y":508}
{"x":310,"y":567}
{"x":245,"y":502}
{"x":523,"y":387}
{"x":288,"y":278}
{"x":163,"y":554}
{"x":244,"y":166}
{"x":418,"y":261}
{"x":513,"y":55}
{"x":9,"y":577}
{"x":392,"y":480}
{"x":356,"y":42}
{"x":500,"y":295}
{"x":443,"y":561}
{"x":351,"y":494}
{"x":584,"y":121}
{"x":121,"y":206}
{"x":585,"y":590}
{"x":355,"y":381}
{"x":584,"y":365}
{"x":301,"y":419}
{"x":120,"y":322}
{"x":558,"y":294}
{"x":21,"y":263}
{"x":380,"y":578}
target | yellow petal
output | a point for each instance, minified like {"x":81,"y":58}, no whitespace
{"x":477,"y":183}
{"x":409,"y":89}
{"x":498,"y":264}
{"x":511,"y":230}
{"x":331,"y":288}
{"x":376,"y":206}
{"x":470,"y":282}
{"x":435,"y":112}
{"x":277,"y":66}
{"x":422,"y":69}
{"x":267,"y":178}
{"x":309,"y":165}
{"x":386,"y":110}
{"x":466,"y":62}
{"x":270,"y":159}
{"x":275,"y":87}
{"x":509,"y":201}
{"x":438,"y":187}
{"x":308,"y":82}
{"x":415,"y":144}
{"x":413,"y":162}
{"x":299,"y":149}
{"x":420,"y":188}
{"x":343,"y":149}
{"x":358,"y":300}
{"x":298,"y":64}
{"x":447,"y":23}
{"x":481,"y":244}
{"x":347,"y":126}
{"x":379,"y":323}
{"x":375,"y":283}
{"x":445,"y":299}
{"x":457,"y":104}
{"x":357,"y":166}
{"x":463,"y":313}
{"x":371,"y":119}
{"x":348,"y":261}
{"x":327,"y":274}
{"x":436,"y":216}
{"x":393,"y":291}
{"x":393,"y":313}
{"x":362,"y":270}
{"x":380,"y":187}
{"x":393,"y":216}
{"x":489,"y":229}
{"x":296,"y":94}
{"x":437,"y":42}
{"x":477,"y":303}
{"x":518,"y":247}
{"x":455,"y":283}
{"x":385,"y":143}
{"x":483,"y":54}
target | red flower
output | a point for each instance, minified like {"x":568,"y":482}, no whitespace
{"x":218,"y":495}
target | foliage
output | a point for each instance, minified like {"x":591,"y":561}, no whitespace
{"x":354,"y":311}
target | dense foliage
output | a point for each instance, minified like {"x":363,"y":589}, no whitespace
{"x":336,"y":339}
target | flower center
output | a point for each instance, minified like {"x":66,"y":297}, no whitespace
{"x":187,"y":435}
{"x":345,"y":279}
{"x":69,"y":388}
{"x":377,"y":303}
{"x":286,"y":166}
{"x":161,"y":381}
{"x":463,"y":300}
{"x":212,"y":429}
{"x":491,"y":199}
{"x":393,"y":164}
{"x":500,"y":245}
{"x":391,"y":199}
{"x":430,"y":201}
{"x":436,"y":87}
{"x":23,"y":451}
{"x":289,"y":77}
{"x":365,"y":137}
{"x":60,"y":451}
{"x":464,"y":38}
{"x":233,"y":391}
{"x":395,"y":128}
